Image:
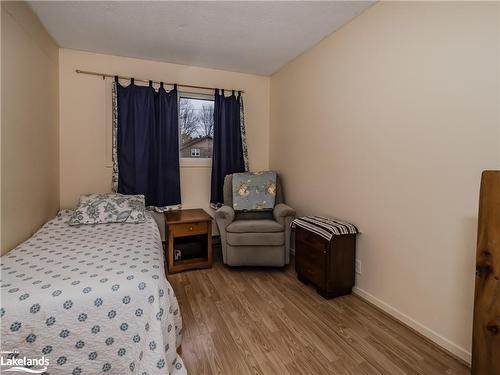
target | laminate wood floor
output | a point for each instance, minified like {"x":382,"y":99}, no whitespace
{"x":264,"y":321}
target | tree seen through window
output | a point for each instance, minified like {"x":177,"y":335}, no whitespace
{"x":196,"y":126}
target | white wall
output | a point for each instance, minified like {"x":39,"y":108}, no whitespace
{"x":388,"y":123}
{"x":30,"y":125}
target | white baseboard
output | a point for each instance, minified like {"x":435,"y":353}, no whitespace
{"x":446,"y":344}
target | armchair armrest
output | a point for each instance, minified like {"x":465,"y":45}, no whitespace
{"x":284,"y":215}
{"x":281,"y":211}
{"x":223,"y":217}
{"x":224,"y":214}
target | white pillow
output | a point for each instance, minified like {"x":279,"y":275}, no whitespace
{"x":109,"y":208}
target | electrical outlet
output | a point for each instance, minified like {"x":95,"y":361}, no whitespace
{"x":358,"y":266}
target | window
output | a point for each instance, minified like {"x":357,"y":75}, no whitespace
{"x":196,"y":126}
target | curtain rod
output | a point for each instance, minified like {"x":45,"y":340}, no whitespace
{"x":104,"y":75}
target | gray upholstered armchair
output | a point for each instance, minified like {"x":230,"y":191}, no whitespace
{"x":254,"y":238}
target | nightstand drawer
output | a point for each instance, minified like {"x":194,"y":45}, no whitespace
{"x":189,"y":229}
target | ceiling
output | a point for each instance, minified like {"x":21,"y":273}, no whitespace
{"x":256,"y":37}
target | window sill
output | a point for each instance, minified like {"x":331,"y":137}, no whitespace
{"x":195,"y":163}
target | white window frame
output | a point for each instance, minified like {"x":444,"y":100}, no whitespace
{"x":195,"y":152}
{"x":193,"y":162}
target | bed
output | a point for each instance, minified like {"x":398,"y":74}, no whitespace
{"x":91,"y":299}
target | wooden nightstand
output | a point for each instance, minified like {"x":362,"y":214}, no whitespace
{"x":189,"y":240}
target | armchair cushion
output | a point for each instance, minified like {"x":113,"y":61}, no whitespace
{"x":255,"y":226}
{"x":256,"y":239}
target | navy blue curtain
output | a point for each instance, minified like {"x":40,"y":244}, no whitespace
{"x":227,"y":154}
{"x":148,"y":144}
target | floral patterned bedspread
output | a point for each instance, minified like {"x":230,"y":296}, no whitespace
{"x":91,"y":299}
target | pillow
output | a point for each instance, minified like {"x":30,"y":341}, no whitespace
{"x":109,"y":208}
{"x":254,"y":191}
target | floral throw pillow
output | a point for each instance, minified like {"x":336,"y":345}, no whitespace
{"x":109,"y":208}
{"x":254,"y":191}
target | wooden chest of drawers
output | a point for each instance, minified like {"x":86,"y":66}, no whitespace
{"x":328,"y":265}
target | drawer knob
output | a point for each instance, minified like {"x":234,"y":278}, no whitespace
{"x":190,"y":228}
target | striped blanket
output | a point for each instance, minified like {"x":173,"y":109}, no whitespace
{"x":324,"y":227}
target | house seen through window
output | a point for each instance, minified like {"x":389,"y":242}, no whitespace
{"x":196,"y":126}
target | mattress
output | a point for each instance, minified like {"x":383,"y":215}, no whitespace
{"x":90,"y":299}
